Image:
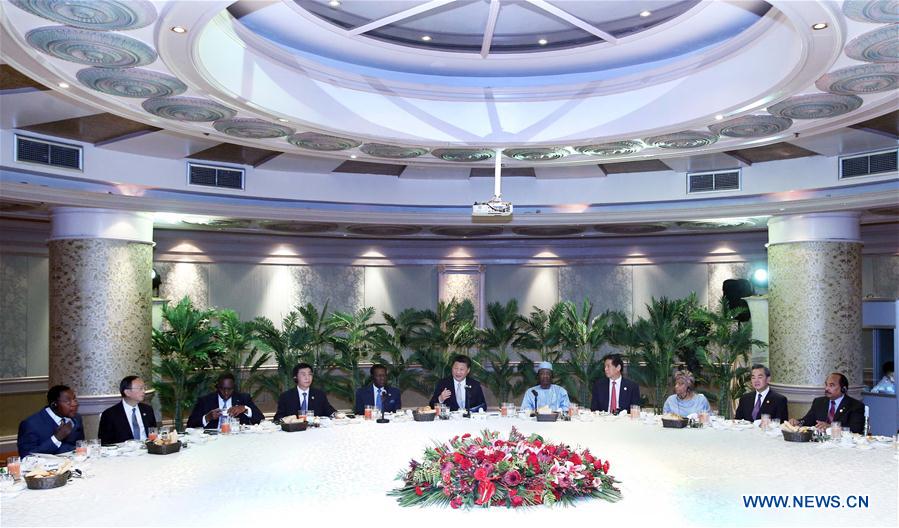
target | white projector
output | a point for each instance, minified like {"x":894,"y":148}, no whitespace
{"x":492,"y":208}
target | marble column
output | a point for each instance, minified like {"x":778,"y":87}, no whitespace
{"x":100,"y":303}
{"x":814,"y":303}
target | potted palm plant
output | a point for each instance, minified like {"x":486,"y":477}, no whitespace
{"x":240,"y":354}
{"x":496,"y":342}
{"x":353,"y":337}
{"x":582,"y":334}
{"x":286,"y":345}
{"x":393,"y":339}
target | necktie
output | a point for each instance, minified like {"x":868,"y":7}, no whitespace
{"x":378,"y":399}
{"x":613,"y":405}
{"x":757,"y":408}
{"x":460,"y":395}
{"x":303,"y":407}
{"x":833,"y":410}
{"x":135,"y":429}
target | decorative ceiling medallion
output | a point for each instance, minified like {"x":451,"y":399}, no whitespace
{"x":92,"y":48}
{"x":383,"y":230}
{"x":861,"y":79}
{"x":630,"y":229}
{"x":536,"y":153}
{"x":548,"y":231}
{"x":131,"y":82}
{"x":816,"y":106}
{"x":876,"y":11}
{"x":251,"y":128}
{"x":687,"y":139}
{"x":187,"y":109}
{"x":608,"y":150}
{"x":885,"y":211}
{"x":98,"y":15}
{"x":463,"y":155}
{"x":298,"y":227}
{"x":752,"y":126}
{"x":380,"y":150}
{"x":880,"y":45}
{"x":717,"y":226}
{"x":467,"y":231}
{"x":322,"y":142}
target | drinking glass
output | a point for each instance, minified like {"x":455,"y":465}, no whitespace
{"x":836,"y":431}
{"x":80,"y":451}
{"x":226,"y":424}
{"x":775,"y":423}
{"x":93,"y":448}
{"x":766,"y":422}
{"x":7,"y":481}
{"x":635,"y":412}
{"x":14,"y":466}
{"x":369,"y":411}
{"x":504,"y":409}
{"x":310,"y":414}
{"x":152,"y":434}
{"x":703,"y":417}
{"x":572,"y":410}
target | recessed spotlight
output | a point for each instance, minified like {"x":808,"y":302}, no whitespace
{"x":645,"y":13}
{"x":353,"y":156}
{"x":281,"y":119}
{"x":179,"y":29}
{"x":819,"y":26}
{"x":426,"y":38}
{"x":334,"y":3}
{"x":62,"y":84}
{"x":719,"y":117}
{"x":543,"y":42}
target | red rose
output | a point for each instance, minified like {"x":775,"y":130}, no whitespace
{"x":513,"y":492}
{"x":589,"y":458}
{"x":538,"y":443}
{"x":418,"y":491}
{"x":466,"y":435}
{"x":480,"y":474}
{"x":486,"y":489}
{"x":456,"y":502}
{"x":465,"y":464}
{"x":576,"y":460}
{"x":605,"y":467}
{"x":512,"y":478}
{"x":532,"y":461}
{"x":517,"y":501}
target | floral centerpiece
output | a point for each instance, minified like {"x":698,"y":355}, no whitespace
{"x":485,"y":470}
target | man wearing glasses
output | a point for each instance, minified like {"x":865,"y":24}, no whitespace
{"x":130,"y":419}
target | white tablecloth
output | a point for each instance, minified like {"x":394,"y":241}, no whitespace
{"x":341,"y":475}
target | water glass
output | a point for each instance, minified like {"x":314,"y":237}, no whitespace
{"x":775,"y":423}
{"x":93,"y":448}
{"x":836,"y":431}
{"x":765,"y":422}
{"x":14,"y":467}
{"x":635,"y":412}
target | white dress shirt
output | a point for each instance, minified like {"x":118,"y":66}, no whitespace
{"x":617,"y":393}
{"x":140,"y":419}
{"x":225,"y":405}
{"x":58,"y":419}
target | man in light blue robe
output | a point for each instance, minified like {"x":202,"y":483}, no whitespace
{"x":547,"y":393}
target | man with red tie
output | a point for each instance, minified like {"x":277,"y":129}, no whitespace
{"x":614,"y":393}
{"x":835,"y":406}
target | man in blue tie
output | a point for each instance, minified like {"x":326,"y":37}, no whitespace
{"x":55,"y":428}
{"x":377,"y":393}
{"x":130,"y":418}
{"x":303,"y":398}
{"x":211,"y":409}
{"x":763,"y":400}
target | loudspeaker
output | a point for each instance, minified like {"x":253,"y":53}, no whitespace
{"x":734,"y":290}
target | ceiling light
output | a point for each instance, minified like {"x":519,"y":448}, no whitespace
{"x":179,"y":29}
{"x":819,"y":25}
{"x":645,"y":13}
{"x":281,"y":119}
{"x":719,"y":117}
{"x":334,"y":3}
{"x":543,"y":42}
{"x":353,"y":156}
{"x":62,"y":84}
{"x":426,"y":38}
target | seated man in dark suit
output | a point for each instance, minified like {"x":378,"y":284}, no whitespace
{"x":459,"y":391}
{"x":303,"y":398}
{"x":55,"y":428}
{"x":209,"y":409}
{"x":377,"y":393}
{"x":763,"y":400}
{"x":129,"y":419}
{"x":614,"y":393}
{"x":835,"y":406}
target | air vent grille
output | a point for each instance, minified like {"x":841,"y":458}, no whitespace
{"x":213,"y":176}
{"x":703,"y":182}
{"x":869,"y":164}
{"x":31,"y":150}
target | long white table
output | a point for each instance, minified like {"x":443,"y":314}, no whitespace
{"x":341,"y":475}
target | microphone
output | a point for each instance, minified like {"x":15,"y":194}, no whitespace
{"x":383,"y":397}
{"x":534,"y":392}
